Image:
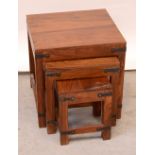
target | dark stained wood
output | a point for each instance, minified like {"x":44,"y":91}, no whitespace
{"x":97,"y":109}
{"x":72,"y":35}
{"x":120,"y":88}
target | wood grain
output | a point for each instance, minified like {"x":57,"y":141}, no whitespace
{"x":106,"y":62}
{"x":106,"y":117}
{"x":69,"y":75}
{"x":80,"y":97}
{"x":71,"y":36}
{"x":92,"y":27}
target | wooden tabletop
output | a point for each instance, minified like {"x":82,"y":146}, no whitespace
{"x":72,"y":29}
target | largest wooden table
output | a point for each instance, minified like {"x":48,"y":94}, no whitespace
{"x":71,"y":35}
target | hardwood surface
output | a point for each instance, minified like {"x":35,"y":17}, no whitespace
{"x":106,"y":62}
{"x":85,"y":95}
{"x":68,"y":86}
{"x":123,"y":135}
{"x":82,"y":96}
{"x":81,"y":28}
{"x":67,"y":70}
{"x":69,"y":36}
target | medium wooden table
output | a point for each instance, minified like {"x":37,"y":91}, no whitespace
{"x":67,"y":36}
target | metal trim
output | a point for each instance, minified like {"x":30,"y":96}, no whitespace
{"x":118,"y":49}
{"x":113,"y":116}
{"x":53,"y":73}
{"x":103,"y":128}
{"x":68,"y":132}
{"x":41,"y":55}
{"x":40,"y":114}
{"x":53,"y":122}
{"x":104,"y":94}
{"x":119,"y":106}
{"x":64,"y":99}
{"x":114,"y":69}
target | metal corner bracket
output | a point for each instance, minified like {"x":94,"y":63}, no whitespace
{"x":41,"y":55}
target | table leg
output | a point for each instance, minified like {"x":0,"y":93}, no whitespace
{"x":121,"y":84}
{"x":35,"y":66}
{"x":97,"y":109}
{"x":40,"y":93}
{"x":63,"y":123}
{"x":106,"y":117}
{"x":50,"y":105}
{"x":31,"y":60}
{"x":115,"y":85}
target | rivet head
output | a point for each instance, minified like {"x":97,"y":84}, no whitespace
{"x":99,"y":94}
{"x":73,"y":99}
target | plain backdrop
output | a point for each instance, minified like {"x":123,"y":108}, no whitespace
{"x":123,"y":12}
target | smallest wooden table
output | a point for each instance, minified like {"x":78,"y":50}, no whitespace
{"x":68,"y":36}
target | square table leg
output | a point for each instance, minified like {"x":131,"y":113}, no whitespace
{"x":97,"y":109}
{"x":106,"y":117}
{"x":63,"y":123}
{"x":39,"y":82}
{"x":31,"y":60}
{"x":35,"y":66}
{"x":51,"y":119}
{"x":120,"y":85}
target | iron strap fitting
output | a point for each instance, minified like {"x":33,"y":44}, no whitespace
{"x":53,"y":122}
{"x":113,"y":69}
{"x":118,"y":49}
{"x":103,"y":128}
{"x":64,"y":99}
{"x":104,"y":94}
{"x":41,"y":55}
{"x":40,"y":114}
{"x":119,"y":106}
{"x":68,"y":132}
{"x":53,"y":73}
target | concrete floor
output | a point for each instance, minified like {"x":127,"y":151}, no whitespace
{"x":35,"y":141}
